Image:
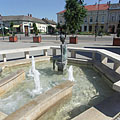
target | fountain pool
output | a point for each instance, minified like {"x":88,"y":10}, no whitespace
{"x":89,"y":89}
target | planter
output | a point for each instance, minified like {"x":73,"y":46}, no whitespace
{"x":74,"y":40}
{"x":13,"y":39}
{"x":37,"y":39}
{"x":116,"y":41}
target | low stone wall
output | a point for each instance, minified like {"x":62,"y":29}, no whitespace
{"x":11,"y":80}
{"x":40,"y":104}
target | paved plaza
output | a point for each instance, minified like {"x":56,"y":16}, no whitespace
{"x":83,"y":41}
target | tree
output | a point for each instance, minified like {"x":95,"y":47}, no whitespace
{"x":11,"y":28}
{"x":51,"y":29}
{"x":35,"y":30}
{"x":58,"y":26}
{"x":74,"y":15}
{"x":118,"y":29}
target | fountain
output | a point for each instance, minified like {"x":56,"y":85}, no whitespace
{"x":88,"y":89}
{"x":84,"y":89}
{"x":70,"y":73}
{"x":35,"y":73}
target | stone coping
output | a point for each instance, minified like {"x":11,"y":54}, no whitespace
{"x":23,"y":50}
{"x":10,"y":77}
{"x":40,"y":104}
{"x":4,"y":65}
{"x":2,"y":115}
{"x":11,"y":81}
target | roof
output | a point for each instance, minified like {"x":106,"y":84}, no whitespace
{"x":49,"y":21}
{"x":22,"y":18}
{"x":61,"y":12}
{"x":92,"y":8}
{"x":95,"y":7}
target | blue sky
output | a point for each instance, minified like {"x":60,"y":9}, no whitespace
{"x":38,"y":8}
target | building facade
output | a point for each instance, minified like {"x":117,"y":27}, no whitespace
{"x":96,"y":17}
{"x":114,"y":17}
{"x":103,"y":16}
{"x":24,"y":24}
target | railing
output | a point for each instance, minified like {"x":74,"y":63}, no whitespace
{"x":105,"y":55}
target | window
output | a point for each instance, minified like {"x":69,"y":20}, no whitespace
{"x":60,"y":21}
{"x":102,"y":27}
{"x":91,"y":19}
{"x":85,"y":28}
{"x":96,"y":19}
{"x":118,"y":17}
{"x":90,"y":28}
{"x":85,"y":19}
{"x":102,"y":19}
{"x":113,"y":18}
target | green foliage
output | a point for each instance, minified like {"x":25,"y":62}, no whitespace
{"x":85,"y":33}
{"x":74,"y":15}
{"x":58,"y":26}
{"x":12,"y":29}
{"x":35,"y":30}
{"x":118,"y":30}
{"x":51,"y":30}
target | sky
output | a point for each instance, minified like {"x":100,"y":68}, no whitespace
{"x":38,"y":8}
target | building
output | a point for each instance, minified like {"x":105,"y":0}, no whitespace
{"x":114,"y":17}
{"x":24,"y":24}
{"x":97,"y":15}
{"x":51,"y":25}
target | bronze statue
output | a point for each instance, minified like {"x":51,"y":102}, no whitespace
{"x":61,"y":60}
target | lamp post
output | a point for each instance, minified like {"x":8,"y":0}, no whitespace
{"x":2,"y":26}
{"x":3,"y":31}
{"x":97,"y":21}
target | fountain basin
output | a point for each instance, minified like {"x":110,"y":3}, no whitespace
{"x":40,"y":104}
{"x":80,"y":87}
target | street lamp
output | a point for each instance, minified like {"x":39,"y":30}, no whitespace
{"x":97,"y":24}
{"x":2,"y":26}
{"x":3,"y":30}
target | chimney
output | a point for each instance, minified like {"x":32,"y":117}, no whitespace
{"x":30,"y":15}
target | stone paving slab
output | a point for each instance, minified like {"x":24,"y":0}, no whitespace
{"x":92,"y":114}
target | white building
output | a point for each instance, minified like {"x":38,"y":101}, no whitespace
{"x":24,"y":24}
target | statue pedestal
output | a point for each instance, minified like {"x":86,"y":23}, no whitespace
{"x":61,"y":65}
